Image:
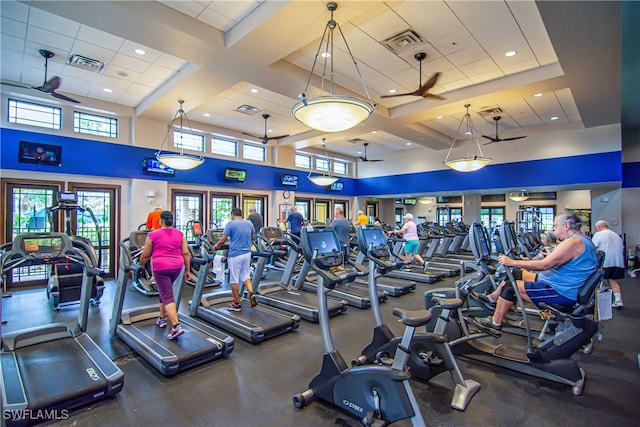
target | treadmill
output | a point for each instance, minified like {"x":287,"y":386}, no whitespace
{"x":416,"y":274}
{"x":394,"y":287}
{"x":292,"y":299}
{"x":54,"y":366}
{"x":273,"y":241}
{"x":137,"y":328}
{"x":251,"y":324}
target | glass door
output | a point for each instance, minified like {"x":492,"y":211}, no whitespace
{"x":221,"y":207}
{"x":323,"y":211}
{"x":188,"y":207}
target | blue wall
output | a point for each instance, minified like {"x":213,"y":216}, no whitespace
{"x":86,"y":157}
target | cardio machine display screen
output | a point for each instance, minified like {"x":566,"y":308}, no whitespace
{"x":325,"y":242}
{"x":373,"y":236}
{"x":272,"y":233}
{"x":44,"y":247}
{"x":481,"y":238}
{"x":138,"y":238}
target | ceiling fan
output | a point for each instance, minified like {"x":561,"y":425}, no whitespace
{"x":423,"y":90}
{"x":49,"y":86}
{"x":365,"y":158}
{"x":497,"y":138}
{"x":266,"y":138}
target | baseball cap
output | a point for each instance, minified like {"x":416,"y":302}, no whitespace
{"x":408,"y":216}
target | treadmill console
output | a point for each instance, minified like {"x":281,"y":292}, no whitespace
{"x":196,"y":227}
{"x":372,"y":241}
{"x":43,"y":246}
{"x":325,"y":241}
{"x":138,"y":238}
{"x":67,"y":198}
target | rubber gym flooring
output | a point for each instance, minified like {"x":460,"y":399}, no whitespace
{"x":255,"y":384}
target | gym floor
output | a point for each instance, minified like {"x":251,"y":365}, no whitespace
{"x":255,"y":384}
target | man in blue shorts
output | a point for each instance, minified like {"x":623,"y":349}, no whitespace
{"x":240,"y":233}
{"x":560,"y":274}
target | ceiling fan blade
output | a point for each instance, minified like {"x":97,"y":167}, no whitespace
{"x":252,"y":135}
{"x":277,"y":137}
{"x":63,"y":97}
{"x":17,"y":85}
{"x":375,"y":160}
{"x":400,"y":94}
{"x":512,"y":138}
{"x":491,"y":139}
{"x":364,"y":159}
{"x":434,"y":96}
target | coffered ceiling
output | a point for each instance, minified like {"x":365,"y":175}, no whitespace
{"x":221,"y":55}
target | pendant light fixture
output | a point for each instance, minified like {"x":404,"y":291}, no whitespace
{"x":331,"y":112}
{"x":323,"y":180}
{"x":473,"y":159}
{"x":519,"y":197}
{"x":179,"y":161}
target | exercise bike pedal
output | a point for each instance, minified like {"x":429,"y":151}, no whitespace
{"x":429,"y":359}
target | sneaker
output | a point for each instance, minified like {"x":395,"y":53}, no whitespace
{"x":161,"y":322}
{"x":486,"y":324}
{"x":253,"y":299}
{"x":234,"y":306}
{"x":176,"y":331}
{"x":617,"y":303}
{"x":424,"y":266}
{"x":484,"y":298}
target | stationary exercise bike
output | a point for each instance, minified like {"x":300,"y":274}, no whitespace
{"x":377,"y":395}
{"x":429,"y":354}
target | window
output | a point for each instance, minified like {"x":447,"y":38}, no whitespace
{"x":190,"y":141}
{"x":95,"y":125}
{"x":322,"y":164}
{"x":254,"y":152}
{"x":303,"y":161}
{"x":28,"y":113}
{"x":491,"y":217}
{"x":225,"y":147}
{"x":221,"y":207}
{"x":188,"y":208}
{"x":340,"y":167}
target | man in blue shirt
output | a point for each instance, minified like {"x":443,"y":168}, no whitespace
{"x":560,"y":274}
{"x":295,"y":220}
{"x":240,"y":233}
{"x":342,"y":226}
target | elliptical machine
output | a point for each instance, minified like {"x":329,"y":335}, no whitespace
{"x":565,"y":331}
{"x":429,"y":354}
{"x":377,"y":395}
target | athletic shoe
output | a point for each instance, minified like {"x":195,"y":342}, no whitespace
{"x":253,"y":299}
{"x":617,"y":303}
{"x":176,"y":331}
{"x":486,"y":324}
{"x":161,"y":322}
{"x":424,"y":266}
{"x":483,"y":298}
{"x":234,"y":306}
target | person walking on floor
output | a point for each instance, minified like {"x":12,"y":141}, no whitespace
{"x":256,"y":219}
{"x":169,"y":253}
{"x":611,"y":244}
{"x":295,"y":220}
{"x":240,"y":233}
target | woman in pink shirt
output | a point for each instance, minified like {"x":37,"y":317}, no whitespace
{"x":169,"y":253}
{"x":412,"y":240}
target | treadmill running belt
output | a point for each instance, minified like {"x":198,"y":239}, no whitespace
{"x":75,"y":376}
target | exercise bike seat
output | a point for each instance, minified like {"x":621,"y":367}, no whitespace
{"x":448,"y":303}
{"x":414,"y":318}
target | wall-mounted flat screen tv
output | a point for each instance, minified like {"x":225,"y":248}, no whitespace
{"x":409,"y":201}
{"x":336,"y":186}
{"x":152,"y":166}
{"x":289,"y":180}
{"x":235,"y":175}
{"x":39,"y":154}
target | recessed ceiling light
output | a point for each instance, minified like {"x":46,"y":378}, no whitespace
{"x":408,"y":143}
{"x":140,"y":51}
{"x":393,"y":90}
{"x":253,"y":90}
{"x":554,"y":118}
{"x":511,"y":53}
{"x":206,"y":114}
{"x":325,"y":54}
{"x":537,"y":94}
{"x":359,"y":152}
{"x":106,"y":89}
{"x":122,"y":73}
{"x":438,"y":117}
{"x":374,"y":131}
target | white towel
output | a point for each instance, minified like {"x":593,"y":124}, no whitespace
{"x":218,"y":267}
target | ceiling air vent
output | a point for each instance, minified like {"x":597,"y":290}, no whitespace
{"x":85,"y":63}
{"x":247,"y":109}
{"x":491,"y":111}
{"x":403,"y":42}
